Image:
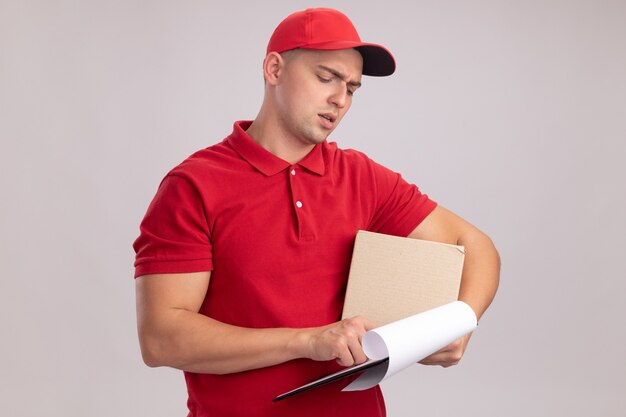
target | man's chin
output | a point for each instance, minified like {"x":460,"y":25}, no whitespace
{"x":317,"y":139}
{"x":323,"y":135}
{"x":315,"y":136}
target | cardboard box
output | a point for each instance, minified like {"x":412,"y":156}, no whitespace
{"x":394,"y":277}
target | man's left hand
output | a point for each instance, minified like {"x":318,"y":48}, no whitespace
{"x":449,"y":355}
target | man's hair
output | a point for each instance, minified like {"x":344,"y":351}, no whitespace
{"x":287,"y":55}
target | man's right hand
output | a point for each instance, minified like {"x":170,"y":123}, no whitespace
{"x":340,"y":341}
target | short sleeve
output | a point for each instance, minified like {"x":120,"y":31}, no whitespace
{"x":174,"y":234}
{"x":400,"y":206}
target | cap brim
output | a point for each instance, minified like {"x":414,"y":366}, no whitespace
{"x":377,"y":60}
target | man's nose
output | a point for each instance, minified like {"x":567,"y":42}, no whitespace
{"x":340,"y":97}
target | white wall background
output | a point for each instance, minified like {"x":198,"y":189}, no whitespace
{"x":511,"y":113}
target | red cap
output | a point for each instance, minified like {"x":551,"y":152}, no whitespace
{"x":327,"y":30}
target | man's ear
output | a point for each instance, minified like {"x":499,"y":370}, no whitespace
{"x":272,"y":66}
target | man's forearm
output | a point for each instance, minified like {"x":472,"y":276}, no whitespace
{"x":173,"y":333}
{"x":192,"y":342}
{"x":481,"y":271}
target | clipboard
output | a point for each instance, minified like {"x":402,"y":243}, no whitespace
{"x":351,"y":370}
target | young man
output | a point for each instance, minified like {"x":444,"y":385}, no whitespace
{"x":244,"y":253}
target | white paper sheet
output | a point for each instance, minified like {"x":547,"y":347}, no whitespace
{"x":410,"y":340}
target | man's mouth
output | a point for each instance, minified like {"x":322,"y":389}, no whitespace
{"x":328,"y":119}
{"x":329,"y":116}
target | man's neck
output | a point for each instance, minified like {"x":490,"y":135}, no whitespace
{"x":277,"y":141}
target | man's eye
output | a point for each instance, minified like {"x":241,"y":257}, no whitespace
{"x":322,"y":79}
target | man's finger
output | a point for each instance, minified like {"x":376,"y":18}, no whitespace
{"x":357,"y":353}
{"x":345,"y":357}
{"x":369,"y":325}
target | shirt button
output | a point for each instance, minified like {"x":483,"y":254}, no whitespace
{"x":299,"y":204}
{"x":293,"y":172}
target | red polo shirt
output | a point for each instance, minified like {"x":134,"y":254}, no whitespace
{"x":278,"y":238}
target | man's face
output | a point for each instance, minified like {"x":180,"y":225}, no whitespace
{"x":315,"y":92}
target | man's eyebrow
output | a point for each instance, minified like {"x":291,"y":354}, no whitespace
{"x":340,"y":75}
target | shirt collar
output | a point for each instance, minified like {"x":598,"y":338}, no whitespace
{"x":314,"y":161}
{"x":265,"y":161}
